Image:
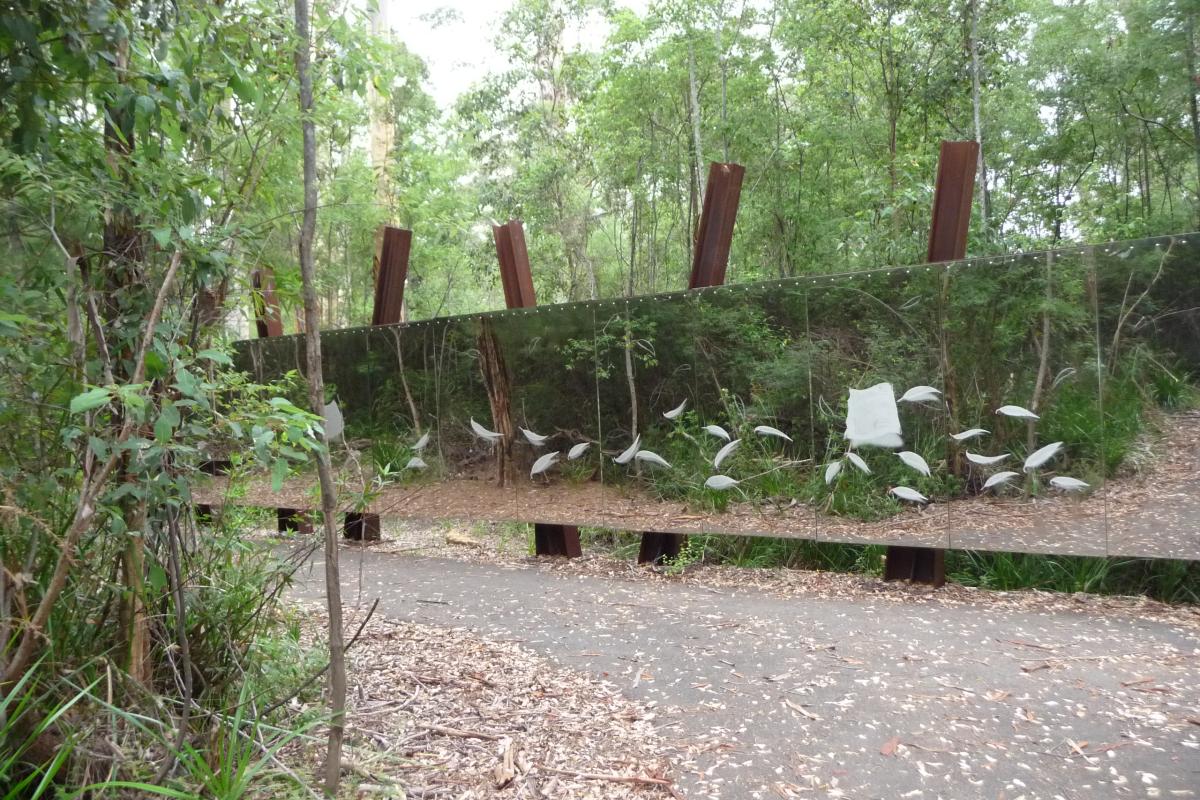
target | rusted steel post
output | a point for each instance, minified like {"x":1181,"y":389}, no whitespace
{"x":391,"y":271}
{"x":517,"y":279}
{"x":714,"y":234}
{"x":268,"y":321}
{"x":395,"y":246}
{"x":710,"y":258}
{"x":952,"y":196}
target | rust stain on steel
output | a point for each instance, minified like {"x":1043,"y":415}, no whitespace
{"x":714,"y":234}
{"x":515,"y":273}
{"x":714,"y":238}
{"x":952,"y":196}
{"x":394,"y":249}
{"x":516,"y":277}
{"x":267,"y":319}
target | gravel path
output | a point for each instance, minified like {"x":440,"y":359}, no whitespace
{"x":862,"y":692}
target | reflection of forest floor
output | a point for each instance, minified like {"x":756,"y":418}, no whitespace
{"x":1155,"y":513}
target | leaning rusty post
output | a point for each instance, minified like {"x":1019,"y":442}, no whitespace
{"x":394,"y":248}
{"x":952,"y":196}
{"x":391,"y":270}
{"x":268,"y":321}
{"x":710,"y":258}
{"x":517,"y":279}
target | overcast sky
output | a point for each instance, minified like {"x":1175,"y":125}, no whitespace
{"x":459,"y":52}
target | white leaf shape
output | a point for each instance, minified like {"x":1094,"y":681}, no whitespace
{"x":1017,"y":412}
{"x":911,"y":495}
{"x":999,"y":478}
{"x":725,"y":452}
{"x":1068,"y":484}
{"x":767,"y":430}
{"x":720,"y":483}
{"x":915,"y":461}
{"x":421,"y":443}
{"x":578,"y":450}
{"x":415,"y":463}
{"x":985,"y":461}
{"x":535,"y":439}
{"x":676,"y":411}
{"x":832,"y":471}
{"x":627,"y":455}
{"x":857,"y":461}
{"x":872,"y":418}
{"x":335,"y":424}
{"x":484,"y":433}
{"x":969,"y":434}
{"x":544,"y":463}
{"x":919,"y":394}
{"x":1042,"y":455}
{"x":651,"y":458}
{"x":1063,"y":375}
{"x":717,"y":431}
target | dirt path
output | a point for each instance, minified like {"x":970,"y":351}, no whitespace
{"x":841,"y":687}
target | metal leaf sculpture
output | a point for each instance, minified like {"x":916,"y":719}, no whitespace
{"x":767,"y":430}
{"x":966,"y":435}
{"x":920,"y":394}
{"x":535,"y":439}
{"x":1064,"y":374}
{"x":720,"y":483}
{"x":415,"y":463}
{"x":578,"y":450}
{"x":544,"y":463}
{"x":1040,"y":456}
{"x":986,"y":461}
{"x":421,"y":443}
{"x":915,"y":461}
{"x":651,"y":458}
{"x":335,"y":423}
{"x":999,"y":479}
{"x":872,"y":418}
{"x":725,"y":452}
{"x":1017,"y":412}
{"x":484,"y":433}
{"x":857,"y":461}
{"x":717,"y":431}
{"x":676,"y":411}
{"x":628,"y":454}
{"x":911,"y":495}
{"x":1068,"y":484}
{"x":832,"y":471}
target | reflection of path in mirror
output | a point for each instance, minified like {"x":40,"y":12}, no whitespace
{"x":1155,"y":514}
{"x":837,"y":683}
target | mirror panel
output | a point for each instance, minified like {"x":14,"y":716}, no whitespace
{"x":841,"y":391}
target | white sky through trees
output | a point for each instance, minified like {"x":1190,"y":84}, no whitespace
{"x":455,"y":39}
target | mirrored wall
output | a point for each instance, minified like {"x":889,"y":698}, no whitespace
{"x":1038,"y":402}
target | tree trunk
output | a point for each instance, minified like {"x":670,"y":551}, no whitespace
{"x":1043,"y":368}
{"x":1193,"y":103}
{"x":316,"y":401}
{"x":123,"y":275}
{"x":496,"y":382}
{"x":412,"y":406}
{"x":694,"y":98}
{"x":976,"y":110}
